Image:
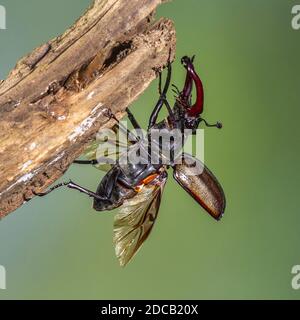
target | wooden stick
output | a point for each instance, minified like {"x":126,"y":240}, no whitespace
{"x":52,"y":104}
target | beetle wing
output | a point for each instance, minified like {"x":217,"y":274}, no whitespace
{"x":203,"y":187}
{"x":136,"y":218}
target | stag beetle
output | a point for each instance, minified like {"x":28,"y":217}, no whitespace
{"x":137,"y":187}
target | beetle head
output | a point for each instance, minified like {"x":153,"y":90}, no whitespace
{"x":192,"y":112}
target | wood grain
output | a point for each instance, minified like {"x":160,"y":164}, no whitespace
{"x":53,"y":103}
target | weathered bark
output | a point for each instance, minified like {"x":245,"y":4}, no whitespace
{"x":51,"y":104}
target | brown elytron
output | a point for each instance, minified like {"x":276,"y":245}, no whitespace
{"x":203,"y":187}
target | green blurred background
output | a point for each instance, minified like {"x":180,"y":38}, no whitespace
{"x":248,"y":57}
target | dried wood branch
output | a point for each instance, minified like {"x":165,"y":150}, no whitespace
{"x":51,"y":104}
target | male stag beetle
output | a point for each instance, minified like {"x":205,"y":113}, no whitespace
{"x":137,"y":187}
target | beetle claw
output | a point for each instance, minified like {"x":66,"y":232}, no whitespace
{"x":108,"y":113}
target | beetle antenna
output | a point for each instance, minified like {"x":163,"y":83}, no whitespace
{"x":216,"y":125}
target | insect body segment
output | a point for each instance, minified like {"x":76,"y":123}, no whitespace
{"x":137,"y":187}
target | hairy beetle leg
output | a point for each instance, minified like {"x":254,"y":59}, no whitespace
{"x":131,"y":135}
{"x":74,"y":186}
{"x":91,"y":162}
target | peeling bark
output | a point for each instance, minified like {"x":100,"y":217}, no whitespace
{"x":52,"y":104}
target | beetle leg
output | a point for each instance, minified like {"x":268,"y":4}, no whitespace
{"x":158,"y":73}
{"x":168,"y":80}
{"x":171,"y":114}
{"x":161,"y":100}
{"x":92,"y":162}
{"x":125,"y":130}
{"x":74,"y":186}
{"x":159,"y":84}
{"x":155,"y":113}
{"x":135,"y":124}
{"x":132,"y":119}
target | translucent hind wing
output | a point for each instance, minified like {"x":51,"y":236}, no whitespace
{"x":136,"y":218}
{"x":107,"y":148}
